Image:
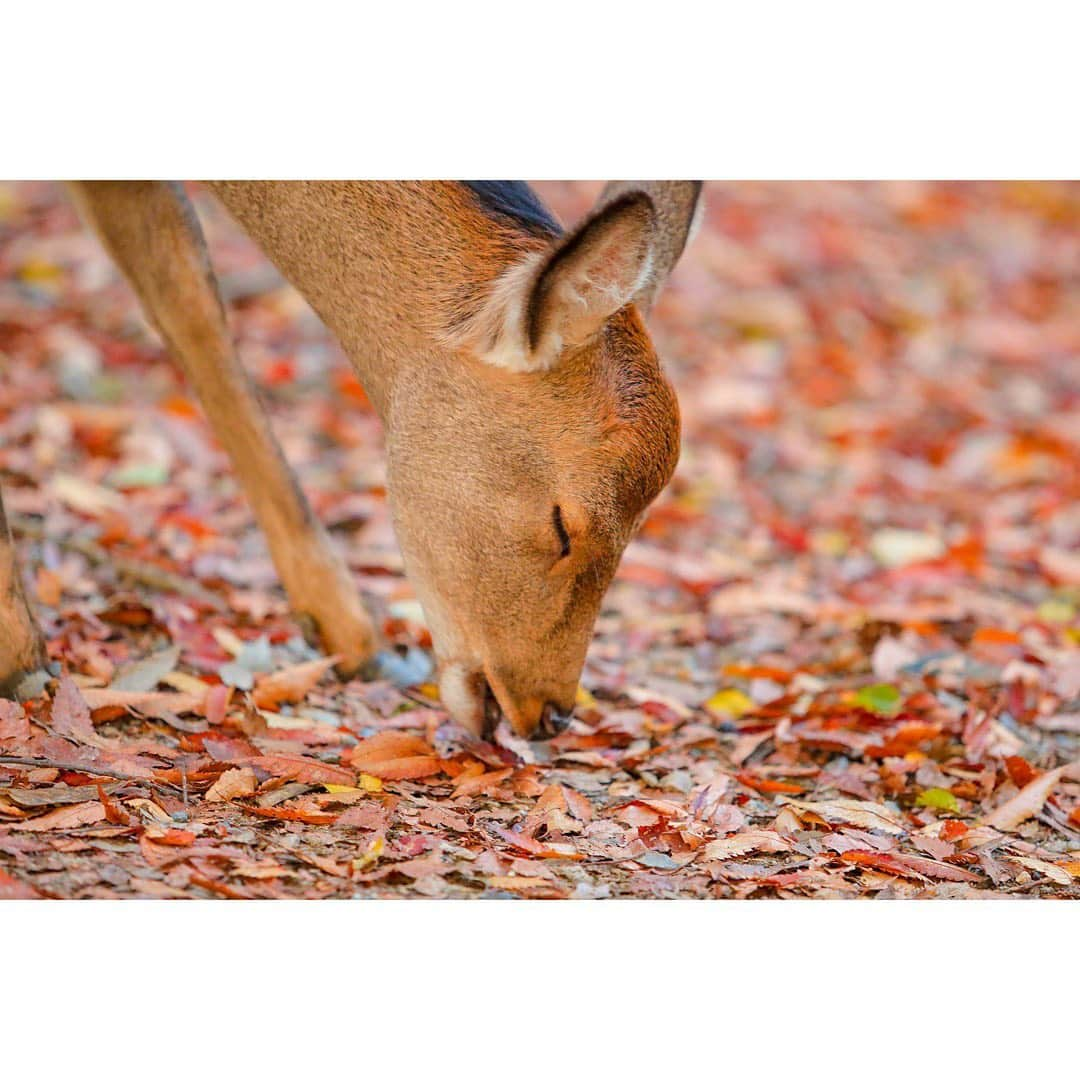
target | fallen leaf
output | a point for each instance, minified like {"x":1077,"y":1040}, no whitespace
{"x":66,"y":817}
{"x":13,"y":721}
{"x":881,"y":698}
{"x":1026,"y":803}
{"x":291,"y":684}
{"x":145,"y":674}
{"x":902,"y":547}
{"x":939,"y":799}
{"x":865,"y":815}
{"x":232,"y":784}
{"x":732,"y":703}
{"x":406,"y":768}
{"x":730,"y":847}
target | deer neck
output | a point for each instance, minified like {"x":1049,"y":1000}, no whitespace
{"x":390,"y":267}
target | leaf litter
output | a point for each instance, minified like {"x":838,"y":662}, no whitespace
{"x":841,"y":659}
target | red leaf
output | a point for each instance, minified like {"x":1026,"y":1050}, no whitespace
{"x":1021,"y":773}
{"x":13,"y":721}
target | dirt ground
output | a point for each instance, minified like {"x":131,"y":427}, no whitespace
{"x":840,"y":660}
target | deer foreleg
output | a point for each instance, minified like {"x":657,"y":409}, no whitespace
{"x":151,"y":231}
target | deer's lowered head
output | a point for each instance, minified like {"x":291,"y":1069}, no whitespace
{"x":522,"y":457}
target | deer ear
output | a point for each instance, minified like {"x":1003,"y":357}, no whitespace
{"x":678,"y":207}
{"x":597,"y":269}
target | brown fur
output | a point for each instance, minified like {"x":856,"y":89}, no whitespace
{"x":478,"y":455}
{"x":21,"y":646}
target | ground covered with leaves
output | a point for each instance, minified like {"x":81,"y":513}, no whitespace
{"x":840,"y":660}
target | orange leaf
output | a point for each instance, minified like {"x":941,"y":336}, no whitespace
{"x":1021,"y":773}
{"x":476,"y":782}
{"x":176,"y":838}
{"x":952,"y":829}
{"x":292,"y":683}
{"x":767,"y":786}
{"x":406,"y":768}
{"x":114,"y":815}
{"x":387,"y":745}
{"x":232,"y":784}
{"x":284,"y":813}
{"x":65,"y":817}
{"x":992,"y":635}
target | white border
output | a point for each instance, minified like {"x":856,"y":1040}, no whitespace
{"x":797,"y":989}
{"x":767,"y":89}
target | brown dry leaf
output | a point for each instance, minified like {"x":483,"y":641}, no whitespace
{"x":66,"y":817}
{"x":234,"y":784}
{"x":150,"y":703}
{"x":1055,"y":873}
{"x":730,"y":847}
{"x":1027,"y":802}
{"x":306,"y":770}
{"x":291,"y":684}
{"x":512,"y":883}
{"x":369,"y":815}
{"x":864,"y":815}
{"x":578,"y":805}
{"x":935,"y":869}
{"x":71,"y":714}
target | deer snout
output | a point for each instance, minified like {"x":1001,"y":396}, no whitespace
{"x":476,"y":697}
{"x":553,"y":721}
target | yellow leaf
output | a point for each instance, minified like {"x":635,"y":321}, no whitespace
{"x":733,"y":703}
{"x":1056,"y":611}
{"x":339,"y":789}
{"x":40,"y":272}
{"x":375,"y":849}
{"x":583,"y":699}
{"x":829,"y":542}
{"x":81,"y":495}
{"x":227,"y":640}
{"x":370,"y":783}
{"x":187,"y":684}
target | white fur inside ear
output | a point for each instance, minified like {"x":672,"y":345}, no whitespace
{"x":497,"y":333}
{"x":585,"y":294}
{"x":588,"y":291}
{"x":696,"y":220}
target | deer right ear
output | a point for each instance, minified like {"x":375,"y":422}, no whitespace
{"x":554,"y":300}
{"x":597,"y":270}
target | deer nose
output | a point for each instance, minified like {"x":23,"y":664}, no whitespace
{"x":553,"y":721}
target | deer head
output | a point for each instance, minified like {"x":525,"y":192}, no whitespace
{"x":521,"y":462}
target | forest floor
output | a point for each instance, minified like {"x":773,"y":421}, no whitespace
{"x":842,"y":659}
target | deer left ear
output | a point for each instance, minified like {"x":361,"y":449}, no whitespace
{"x":598,"y":268}
{"x":679,"y":207}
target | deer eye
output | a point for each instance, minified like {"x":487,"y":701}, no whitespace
{"x":560,"y":529}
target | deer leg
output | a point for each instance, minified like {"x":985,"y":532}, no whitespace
{"x":152,"y":233}
{"x":22,"y":648}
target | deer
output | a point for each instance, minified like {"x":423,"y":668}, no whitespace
{"x":528,"y":421}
